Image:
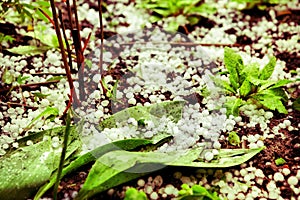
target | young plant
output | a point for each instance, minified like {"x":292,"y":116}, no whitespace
{"x":196,"y":192}
{"x":184,"y":11}
{"x":250,"y":84}
{"x":260,"y":4}
{"x":134,"y":194}
{"x":24,"y":10}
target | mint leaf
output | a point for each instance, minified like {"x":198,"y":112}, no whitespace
{"x":272,"y":102}
{"x":267,"y":71}
{"x":223,"y":84}
{"x":234,"y":64}
{"x":296,"y":104}
{"x":281,"y":83}
{"x":251,"y":70}
{"x":279,"y":92}
{"x":29,"y":50}
{"x":232,"y":106}
{"x":245,"y":88}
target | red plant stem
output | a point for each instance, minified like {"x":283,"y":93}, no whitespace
{"x":64,"y":57}
{"x":69,"y":14}
{"x":101,"y":46}
{"x":79,"y":53}
{"x":48,"y":17}
{"x":66,"y":39}
{"x":86,"y":42}
{"x":102,"y":37}
{"x":80,"y":60}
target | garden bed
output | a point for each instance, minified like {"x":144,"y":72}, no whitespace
{"x":188,"y":100}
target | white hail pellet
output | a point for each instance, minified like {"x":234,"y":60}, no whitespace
{"x":286,"y":171}
{"x":292,"y":180}
{"x":278,"y":177}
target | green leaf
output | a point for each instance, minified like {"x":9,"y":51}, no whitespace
{"x":47,"y":112}
{"x":271,"y":102}
{"x":234,"y":138}
{"x":232,"y":106}
{"x":258,"y":82}
{"x":204,"y":8}
{"x":25,"y":170}
{"x":281,"y":83}
{"x":163,"y":12}
{"x":29,"y":50}
{"x":223,"y":84}
{"x":50,"y":40}
{"x":267,"y":71}
{"x":7,"y":76}
{"x":280,"y":161}
{"x":171,"y":109}
{"x":251,"y":70}
{"x":154,"y":18}
{"x":296,"y":104}
{"x":128,"y":144}
{"x":245,"y":88}
{"x":21,"y":80}
{"x":134,"y":194}
{"x":274,"y":84}
{"x":172,"y":26}
{"x":234,"y":64}
{"x":278,"y":92}
{"x":108,"y":169}
{"x":40,"y":95}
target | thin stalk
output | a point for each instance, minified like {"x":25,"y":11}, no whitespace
{"x":64,"y":57}
{"x":79,"y":53}
{"x":66,"y":40}
{"x":102,"y":37}
{"x":69,"y":14}
{"x":101,"y":46}
{"x":63,"y":154}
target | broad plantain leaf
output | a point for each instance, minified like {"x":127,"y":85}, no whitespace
{"x":128,"y":144}
{"x":23,"y":171}
{"x":114,"y":164}
{"x":171,"y":109}
{"x":29,"y":50}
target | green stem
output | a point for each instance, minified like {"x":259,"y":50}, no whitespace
{"x":63,"y":155}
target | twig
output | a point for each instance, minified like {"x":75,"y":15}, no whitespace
{"x":61,"y":45}
{"x":30,"y":85}
{"x":47,"y":74}
{"x":9,"y":104}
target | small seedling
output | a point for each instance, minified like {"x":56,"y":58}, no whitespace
{"x":250,"y":84}
{"x":184,"y":11}
{"x":234,"y":138}
{"x":134,"y":194}
{"x":196,"y":192}
{"x":280,"y":161}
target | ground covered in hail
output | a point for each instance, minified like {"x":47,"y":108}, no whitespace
{"x":204,"y":93}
